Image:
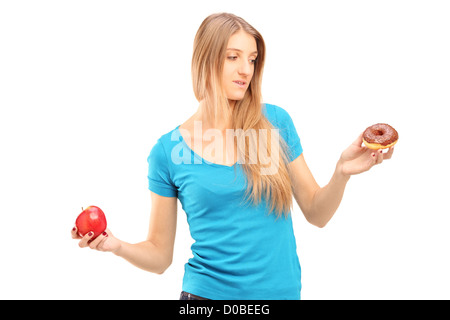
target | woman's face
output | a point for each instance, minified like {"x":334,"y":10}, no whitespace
{"x":239,"y":65}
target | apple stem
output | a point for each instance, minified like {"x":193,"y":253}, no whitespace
{"x":82,"y":209}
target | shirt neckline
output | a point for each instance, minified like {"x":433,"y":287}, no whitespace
{"x":200,"y":157}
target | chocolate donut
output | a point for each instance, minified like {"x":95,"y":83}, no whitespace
{"x":380,"y":136}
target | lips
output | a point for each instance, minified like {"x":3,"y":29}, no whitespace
{"x":240,"y":83}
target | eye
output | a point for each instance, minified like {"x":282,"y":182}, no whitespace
{"x":252,"y":61}
{"x":233,"y":58}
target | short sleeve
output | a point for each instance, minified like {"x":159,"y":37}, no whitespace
{"x":289,"y":133}
{"x":159,"y":180}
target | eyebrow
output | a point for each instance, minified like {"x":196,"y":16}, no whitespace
{"x":234,"y":49}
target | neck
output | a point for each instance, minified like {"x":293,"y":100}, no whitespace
{"x":221,"y":120}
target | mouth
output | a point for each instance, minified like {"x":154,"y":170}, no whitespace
{"x":241,"y":84}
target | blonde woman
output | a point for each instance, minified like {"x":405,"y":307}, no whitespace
{"x":235,"y":166}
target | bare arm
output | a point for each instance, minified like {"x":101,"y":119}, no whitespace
{"x":154,"y":254}
{"x":319,"y":204}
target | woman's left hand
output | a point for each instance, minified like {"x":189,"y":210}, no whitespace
{"x":357,"y":158}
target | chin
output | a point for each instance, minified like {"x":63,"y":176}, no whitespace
{"x":236,"y":97}
{"x":233,"y":101}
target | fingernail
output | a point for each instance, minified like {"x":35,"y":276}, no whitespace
{"x":90,"y":234}
{"x":105,"y":234}
{"x":74,"y":228}
{"x":373,"y":155}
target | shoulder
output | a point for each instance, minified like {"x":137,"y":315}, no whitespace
{"x":160,"y":171}
{"x":165,"y":143}
{"x":169,"y":138}
{"x":281,"y":120}
{"x":278,"y":116}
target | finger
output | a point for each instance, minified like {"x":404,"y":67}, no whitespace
{"x":379,"y":157}
{"x":95,"y":243}
{"x":373,"y":158}
{"x":388,"y":154}
{"x":359,"y":141}
{"x":74,"y":233}
{"x":101,"y":245}
{"x":355,"y":150}
{"x":84,"y":242}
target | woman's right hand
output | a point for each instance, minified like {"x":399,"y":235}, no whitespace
{"x":105,"y":242}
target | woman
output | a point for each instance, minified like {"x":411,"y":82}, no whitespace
{"x":235,"y":166}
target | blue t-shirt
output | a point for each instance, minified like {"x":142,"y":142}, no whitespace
{"x":240,"y":251}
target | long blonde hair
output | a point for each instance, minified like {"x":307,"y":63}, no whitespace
{"x":209,"y":54}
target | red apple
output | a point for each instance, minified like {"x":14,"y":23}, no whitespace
{"x":91,"y":219}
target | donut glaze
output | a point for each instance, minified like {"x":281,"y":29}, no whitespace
{"x":380,"y":135}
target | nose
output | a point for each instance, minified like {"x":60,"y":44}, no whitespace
{"x":245,"y":68}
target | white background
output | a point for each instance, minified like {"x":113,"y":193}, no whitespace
{"x":87,"y":87}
